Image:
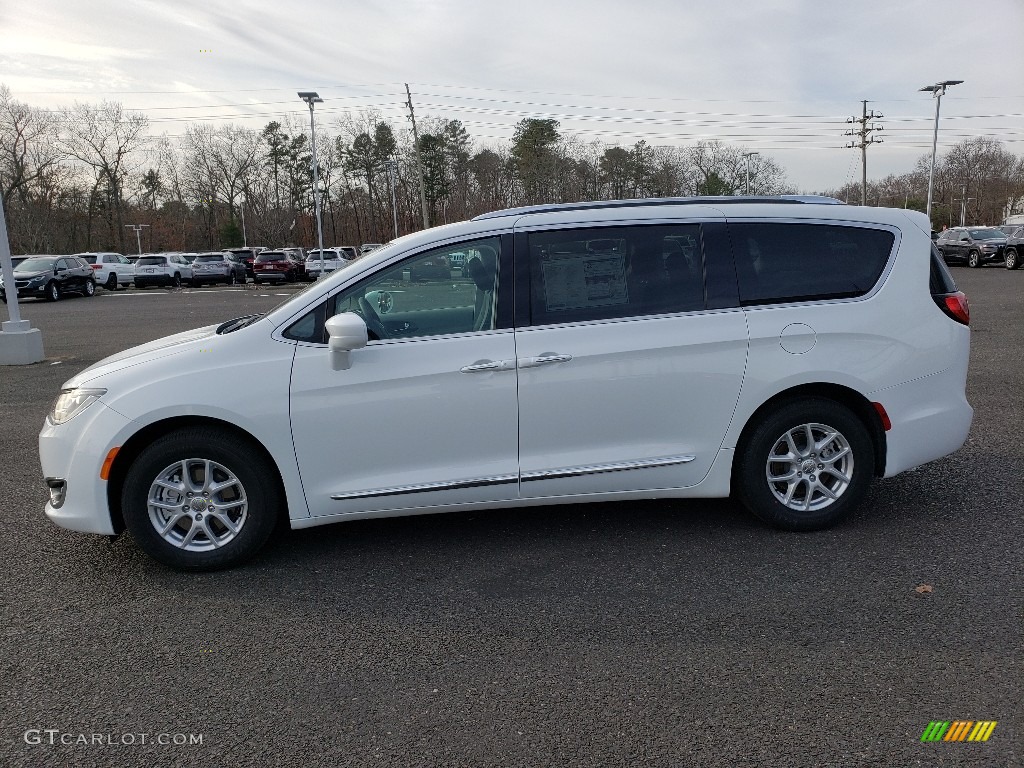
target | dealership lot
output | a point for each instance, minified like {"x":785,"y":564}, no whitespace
{"x":665,"y":633}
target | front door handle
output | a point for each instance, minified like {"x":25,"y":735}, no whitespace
{"x":546,"y":359}
{"x":483,"y":366}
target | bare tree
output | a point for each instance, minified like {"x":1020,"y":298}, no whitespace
{"x":28,"y":148}
{"x":107,"y":139}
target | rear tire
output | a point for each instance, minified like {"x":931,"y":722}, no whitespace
{"x":111,"y":284}
{"x":801,"y":484}
{"x":224,"y":510}
{"x":176,"y":281}
{"x":1012,"y":259}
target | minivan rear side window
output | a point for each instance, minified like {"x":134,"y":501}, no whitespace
{"x":578,"y":275}
{"x":800,"y":262}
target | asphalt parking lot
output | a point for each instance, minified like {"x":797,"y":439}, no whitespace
{"x":654,"y":634}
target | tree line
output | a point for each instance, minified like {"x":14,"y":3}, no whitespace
{"x":72,"y":179}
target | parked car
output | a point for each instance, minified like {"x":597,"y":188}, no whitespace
{"x":245,"y":256}
{"x":110,"y":269}
{"x":365,"y":248}
{"x":333,"y":258}
{"x":426,"y":270}
{"x":277,"y":266}
{"x":1013,"y":253}
{"x":216,"y":267}
{"x":166,"y":269}
{"x":348,"y":252}
{"x":50,"y":278}
{"x":972,"y":246}
{"x":658,"y":348}
{"x":1008,"y":229}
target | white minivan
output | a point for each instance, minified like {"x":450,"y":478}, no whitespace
{"x":785,"y":350}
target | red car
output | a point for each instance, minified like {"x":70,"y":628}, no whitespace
{"x":277,"y":266}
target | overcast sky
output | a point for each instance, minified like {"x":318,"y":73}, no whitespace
{"x":776,"y":76}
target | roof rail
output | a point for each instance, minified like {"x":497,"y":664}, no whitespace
{"x":655,"y":201}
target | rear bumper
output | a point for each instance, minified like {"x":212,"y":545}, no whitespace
{"x":931,"y":418}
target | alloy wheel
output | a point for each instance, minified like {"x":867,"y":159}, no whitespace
{"x":809,"y":467}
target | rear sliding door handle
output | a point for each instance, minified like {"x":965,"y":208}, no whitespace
{"x":483,"y":366}
{"x":546,"y":359}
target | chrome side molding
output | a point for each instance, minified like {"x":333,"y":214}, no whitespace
{"x":594,"y":469}
{"x":401,"y":490}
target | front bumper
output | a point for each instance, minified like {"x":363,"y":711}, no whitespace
{"x":73,"y":453}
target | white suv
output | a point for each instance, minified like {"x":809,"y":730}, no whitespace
{"x":111,"y":269}
{"x":786,"y":350}
{"x":166,"y":269}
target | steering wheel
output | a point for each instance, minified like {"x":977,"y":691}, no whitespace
{"x":372,"y":319}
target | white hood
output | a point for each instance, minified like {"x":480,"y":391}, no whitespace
{"x":168,"y":345}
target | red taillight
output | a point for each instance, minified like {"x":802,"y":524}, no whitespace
{"x":955,"y":305}
{"x":95,"y":266}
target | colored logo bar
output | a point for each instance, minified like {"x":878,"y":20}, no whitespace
{"x":959,"y":730}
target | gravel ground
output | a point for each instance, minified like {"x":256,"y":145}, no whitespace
{"x":648,"y":634}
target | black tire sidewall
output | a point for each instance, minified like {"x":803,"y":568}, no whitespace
{"x":751,"y":484}
{"x":53,"y":291}
{"x":240,"y":458}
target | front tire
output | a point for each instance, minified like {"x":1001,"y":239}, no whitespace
{"x":974,"y":259}
{"x":806,"y":465}
{"x":90,"y":288}
{"x":52,"y":291}
{"x":1012,"y":259}
{"x":176,"y":281}
{"x":199,"y":499}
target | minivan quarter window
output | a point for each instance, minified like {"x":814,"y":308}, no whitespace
{"x":797,"y":261}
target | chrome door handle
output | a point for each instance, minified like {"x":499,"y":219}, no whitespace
{"x":546,"y":359}
{"x":483,"y":366}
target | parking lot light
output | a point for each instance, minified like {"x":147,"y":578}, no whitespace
{"x":937,"y":90}
{"x":311,"y":98}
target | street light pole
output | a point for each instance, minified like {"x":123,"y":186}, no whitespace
{"x":311,"y":98}
{"x":748,"y":155}
{"x":138,"y":236}
{"x":938,"y":91}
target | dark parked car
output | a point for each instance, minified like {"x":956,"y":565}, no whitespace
{"x":245,"y":256}
{"x":278,"y":266}
{"x":50,"y":277}
{"x":1013,"y":253}
{"x":425,"y":270}
{"x":972,"y":246}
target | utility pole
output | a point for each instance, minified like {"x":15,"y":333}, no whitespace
{"x":963,"y":200}
{"x":138,"y":237}
{"x":864,"y":134}
{"x":419,"y":160}
{"x":392,"y":167}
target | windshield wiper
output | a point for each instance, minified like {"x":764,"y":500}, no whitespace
{"x":237,"y":323}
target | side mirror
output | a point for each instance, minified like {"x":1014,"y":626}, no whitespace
{"x":345,"y":332}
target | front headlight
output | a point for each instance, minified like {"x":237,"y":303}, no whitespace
{"x":71,"y":402}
